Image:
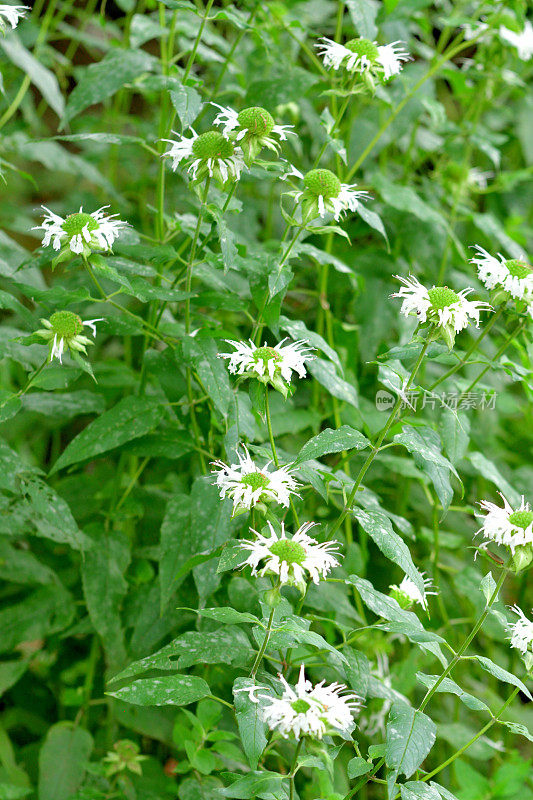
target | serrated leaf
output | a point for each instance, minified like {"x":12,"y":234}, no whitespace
{"x":130,"y":418}
{"x":211,"y":370}
{"x":417,"y":790}
{"x":62,"y":760}
{"x":228,"y":645}
{"x":379,"y":528}
{"x":326,"y":375}
{"x":101,"y":80}
{"x":187,"y":103}
{"x":410,"y":736}
{"x":228,"y":616}
{"x":518,"y":729}
{"x":425,"y":446}
{"x":373,"y":219}
{"x":252,"y":728}
{"x":169,"y":690}
{"x":401,"y":621}
{"x":104,"y":587}
{"x":447,"y":685}
{"x":297,"y":330}
{"x":502,"y":674}
{"x":363,"y":14}
{"x":358,"y":766}
{"x":332,"y":441}
{"x":39,"y":75}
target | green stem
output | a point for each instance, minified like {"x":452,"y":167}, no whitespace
{"x":451,"y":53}
{"x":502,"y":349}
{"x":474,"y":739}
{"x":28,"y":384}
{"x":188,"y":278}
{"x":481,"y":619}
{"x":293,"y":768}
{"x":263,"y":647}
{"x":256,"y":333}
{"x":231,"y":52}
{"x":269,"y":427}
{"x":473,"y":347}
{"x":335,"y":125}
{"x":274,"y":451}
{"x":153,"y":331}
{"x":43,"y":30}
{"x":192,"y":56}
{"x":377,"y":445}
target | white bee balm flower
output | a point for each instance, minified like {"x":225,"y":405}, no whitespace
{"x":523,"y":41}
{"x":247,"y":484}
{"x":323,"y":194}
{"x":307,"y":710}
{"x":64,"y":331}
{"x":209,"y":154}
{"x":514,"y":276}
{"x":80,"y":232}
{"x":448,"y":310}
{"x":507,"y":526}
{"x":12,"y":14}
{"x":521,"y":632}
{"x":364,"y":56}
{"x":274,"y":365}
{"x":407,"y":593}
{"x":253,"y":128}
{"x":291,"y":559}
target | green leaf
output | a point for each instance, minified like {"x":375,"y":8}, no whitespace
{"x":363,"y":15}
{"x":455,"y":429}
{"x":447,"y":685}
{"x":62,"y":761}
{"x":175,"y":523}
{"x":401,"y":621}
{"x":13,"y":792}
{"x":64,"y":405}
{"x":39,"y":75}
{"x":49,"y":515}
{"x":211,"y":370}
{"x":358,"y":766}
{"x":488,"y":470}
{"x":186,"y":540}
{"x":325,"y":374}
{"x":10,"y":672}
{"x":404,"y":198}
{"x":47,"y":610}
{"x":379,"y":528}
{"x":417,"y":790}
{"x":169,"y":690}
{"x":410,"y":737}
{"x":373,"y":219}
{"x":297,"y":330}
{"x":130,"y":418}
{"x":228,"y":645}
{"x":104,"y":587}
{"x":519,"y":730}
{"x":227,"y":615}
{"x":101,"y":80}
{"x":332,"y":441}
{"x":260,"y":784}
{"x":502,"y":674}
{"x":187,"y":103}
{"x":252,"y":729}
{"x":444,"y":793}
{"x":425,"y":445}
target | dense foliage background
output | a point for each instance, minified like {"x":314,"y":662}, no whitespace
{"x":114,"y":542}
